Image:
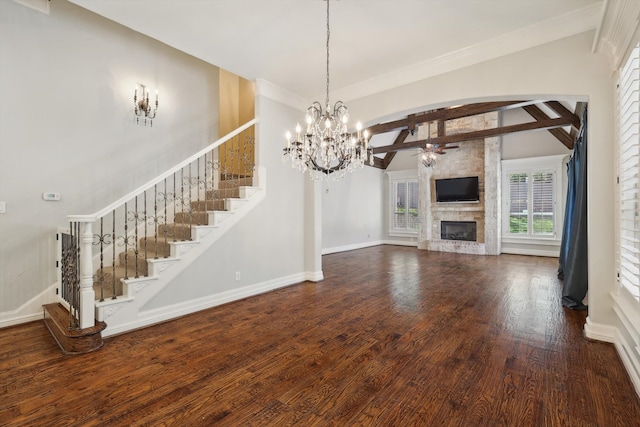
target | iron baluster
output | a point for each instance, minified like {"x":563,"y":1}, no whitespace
{"x":126,"y":243}
{"x":145,"y":226}
{"x":135,"y":233}
{"x":113,"y":262}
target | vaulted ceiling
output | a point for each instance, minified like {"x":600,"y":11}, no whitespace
{"x":375,"y":44}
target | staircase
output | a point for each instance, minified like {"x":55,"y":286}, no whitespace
{"x":217,"y":205}
{"x":115,"y":260}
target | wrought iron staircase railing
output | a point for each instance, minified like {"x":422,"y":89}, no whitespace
{"x":109,"y":246}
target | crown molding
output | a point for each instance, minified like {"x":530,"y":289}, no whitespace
{"x":617,"y":33}
{"x":278,"y":93}
{"x":556,"y":28}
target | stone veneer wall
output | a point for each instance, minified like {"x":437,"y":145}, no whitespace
{"x":474,"y":158}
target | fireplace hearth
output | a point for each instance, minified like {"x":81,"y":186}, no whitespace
{"x":458,"y":230}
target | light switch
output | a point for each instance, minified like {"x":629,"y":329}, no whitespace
{"x":3,"y":207}
{"x":50,"y":196}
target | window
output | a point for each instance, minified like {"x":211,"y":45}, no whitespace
{"x":404,"y":200}
{"x":531,"y":189}
{"x":628,"y":151}
{"x":531,"y":203}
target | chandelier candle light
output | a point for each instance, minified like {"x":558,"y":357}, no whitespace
{"x":143,"y":106}
{"x":327,"y":146}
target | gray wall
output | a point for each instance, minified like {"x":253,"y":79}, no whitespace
{"x":66,"y":125}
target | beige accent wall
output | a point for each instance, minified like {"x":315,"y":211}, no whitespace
{"x":237,"y":107}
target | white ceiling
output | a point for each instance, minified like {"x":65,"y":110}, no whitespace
{"x":375,"y":44}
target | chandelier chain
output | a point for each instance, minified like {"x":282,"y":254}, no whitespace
{"x":328,"y":35}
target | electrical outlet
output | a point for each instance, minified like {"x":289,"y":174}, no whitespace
{"x":3,"y":207}
{"x":237,"y":275}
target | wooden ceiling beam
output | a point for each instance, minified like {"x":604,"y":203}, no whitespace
{"x":378,"y":163}
{"x":562,"y":111}
{"x":560,"y":134}
{"x":386,"y":161}
{"x":479,"y":134}
{"x":412,"y":120}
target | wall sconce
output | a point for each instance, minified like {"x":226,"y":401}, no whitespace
{"x":143,"y":106}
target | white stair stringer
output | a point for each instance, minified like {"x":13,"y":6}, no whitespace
{"x":124,"y":313}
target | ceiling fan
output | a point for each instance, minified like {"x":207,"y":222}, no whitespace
{"x":429,"y":153}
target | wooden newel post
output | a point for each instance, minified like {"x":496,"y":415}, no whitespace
{"x":87,"y":295}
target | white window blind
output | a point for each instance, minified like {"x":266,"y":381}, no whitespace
{"x":629,"y":174}
{"x":518,"y":203}
{"x":542,"y":215}
{"x":405,"y":205}
{"x":531,"y":203}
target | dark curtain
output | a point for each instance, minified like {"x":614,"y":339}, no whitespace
{"x":573,"y":249}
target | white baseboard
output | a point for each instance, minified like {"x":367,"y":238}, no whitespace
{"x":528,"y":251}
{"x":314,"y":276}
{"x":626,"y":350}
{"x":151,"y":317}
{"x":630,"y":360}
{"x":30,"y":310}
{"x":400,"y":243}
{"x":599,"y":332}
{"x":345,"y":248}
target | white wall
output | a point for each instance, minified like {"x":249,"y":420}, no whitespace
{"x":561,"y":68}
{"x":352,"y":210}
{"x":66,"y":125}
{"x":269,"y":243}
{"x":523,"y":145}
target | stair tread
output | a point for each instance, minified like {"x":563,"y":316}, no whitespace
{"x":59,"y":315}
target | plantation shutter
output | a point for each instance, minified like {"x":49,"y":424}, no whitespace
{"x":412,"y":203}
{"x":399,"y":196}
{"x":543,"y":203}
{"x":629,"y":175}
{"x":518,"y":203}
{"x":405,"y":208}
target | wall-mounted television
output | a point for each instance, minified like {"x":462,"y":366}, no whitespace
{"x":459,"y":190}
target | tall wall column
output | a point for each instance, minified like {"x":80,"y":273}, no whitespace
{"x":492,"y":196}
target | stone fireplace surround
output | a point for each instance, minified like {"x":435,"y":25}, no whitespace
{"x":473,"y":158}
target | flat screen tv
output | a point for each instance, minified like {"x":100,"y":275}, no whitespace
{"x":457,"y":190}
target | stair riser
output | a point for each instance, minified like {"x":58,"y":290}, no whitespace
{"x":160,"y":247}
{"x":235,"y":183}
{"x":196,"y":218}
{"x":208,"y":205}
{"x":71,"y":341}
{"x":131,"y":263}
{"x":223,"y":193}
{"x":177,"y":231}
{"x":107,"y":289}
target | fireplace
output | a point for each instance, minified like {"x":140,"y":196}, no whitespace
{"x":458,"y":230}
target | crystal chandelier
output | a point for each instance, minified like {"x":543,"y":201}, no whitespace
{"x":326,"y":146}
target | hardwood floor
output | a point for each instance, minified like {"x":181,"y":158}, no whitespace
{"x":392,"y":337}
